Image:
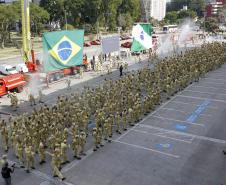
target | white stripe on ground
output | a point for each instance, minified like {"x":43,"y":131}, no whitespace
{"x":193,"y":103}
{"x":43,"y":176}
{"x":171,"y":109}
{"x":177,"y":120}
{"x":216,"y":83}
{"x":205,"y":92}
{"x":207,"y":87}
{"x":186,"y":134}
{"x":148,"y":149}
{"x":163,"y":136}
{"x":147,"y":117}
{"x":76,"y":162}
{"x":217,"y":79}
{"x":199,"y":98}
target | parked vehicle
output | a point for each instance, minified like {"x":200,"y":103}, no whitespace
{"x":126,"y":45}
{"x":21,"y":68}
{"x":13,"y":83}
{"x":6,"y":69}
{"x":95,"y":42}
{"x":87,"y":44}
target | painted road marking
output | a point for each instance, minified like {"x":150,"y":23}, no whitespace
{"x":186,"y":134}
{"x":217,"y":79}
{"x":76,"y":162}
{"x":181,"y":127}
{"x":193,"y":103}
{"x":163,"y":146}
{"x":217,"y":83}
{"x":180,"y":121}
{"x":199,"y":98}
{"x":147,"y":117}
{"x":43,"y":176}
{"x":163,"y":136}
{"x":171,"y":109}
{"x":207,"y":87}
{"x":148,"y":149}
{"x":205,"y":92}
{"x":194,"y":115}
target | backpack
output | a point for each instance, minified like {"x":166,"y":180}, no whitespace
{"x":5,"y":172}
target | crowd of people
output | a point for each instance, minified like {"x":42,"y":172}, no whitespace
{"x":109,"y":109}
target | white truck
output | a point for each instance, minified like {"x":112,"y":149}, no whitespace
{"x":6,"y":69}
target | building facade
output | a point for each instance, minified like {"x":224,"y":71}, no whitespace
{"x":153,"y":8}
{"x":214,"y":7}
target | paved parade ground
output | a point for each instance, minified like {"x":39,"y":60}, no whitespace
{"x":180,"y":143}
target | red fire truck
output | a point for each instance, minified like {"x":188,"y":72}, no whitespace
{"x":15,"y":82}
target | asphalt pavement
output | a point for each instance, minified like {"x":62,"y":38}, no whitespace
{"x":181,"y":142}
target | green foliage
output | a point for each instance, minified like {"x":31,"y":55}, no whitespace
{"x":186,"y":13}
{"x":176,"y":5}
{"x":171,"y":17}
{"x":211,"y":24}
{"x":8,"y":17}
{"x":93,"y":12}
{"x":125,"y":21}
{"x":196,"y":5}
{"x":68,"y":27}
{"x":176,"y":16}
{"x":39,"y":16}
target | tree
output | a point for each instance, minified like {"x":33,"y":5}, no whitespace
{"x":110,"y":9}
{"x":198,"y":6}
{"x":59,"y":9}
{"x":171,"y":17}
{"x":186,"y":14}
{"x":176,"y":5}
{"x":125,"y":21}
{"x":8,"y":16}
{"x":55,"y":8}
{"x":131,"y":7}
{"x":92,"y":11}
{"x":39,"y":16}
{"x":211,"y":24}
{"x":154,"y":22}
{"x":68,"y":27}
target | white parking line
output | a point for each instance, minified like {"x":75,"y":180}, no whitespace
{"x":193,"y":103}
{"x":206,"y":87}
{"x":217,"y":79}
{"x":205,"y":92}
{"x":186,"y":134}
{"x":180,"y":121}
{"x":147,"y":149}
{"x":171,"y":109}
{"x":147,"y":117}
{"x":199,"y":98}
{"x":76,"y":162}
{"x":216,"y":83}
{"x":44,"y":176}
{"x":190,"y":103}
{"x":163,"y":136}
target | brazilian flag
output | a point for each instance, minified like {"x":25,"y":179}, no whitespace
{"x":62,"y":49}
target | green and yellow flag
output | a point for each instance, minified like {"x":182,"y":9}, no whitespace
{"x":62,"y":49}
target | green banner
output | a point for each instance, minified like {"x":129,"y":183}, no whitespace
{"x":136,"y":46}
{"x":62,"y":49}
